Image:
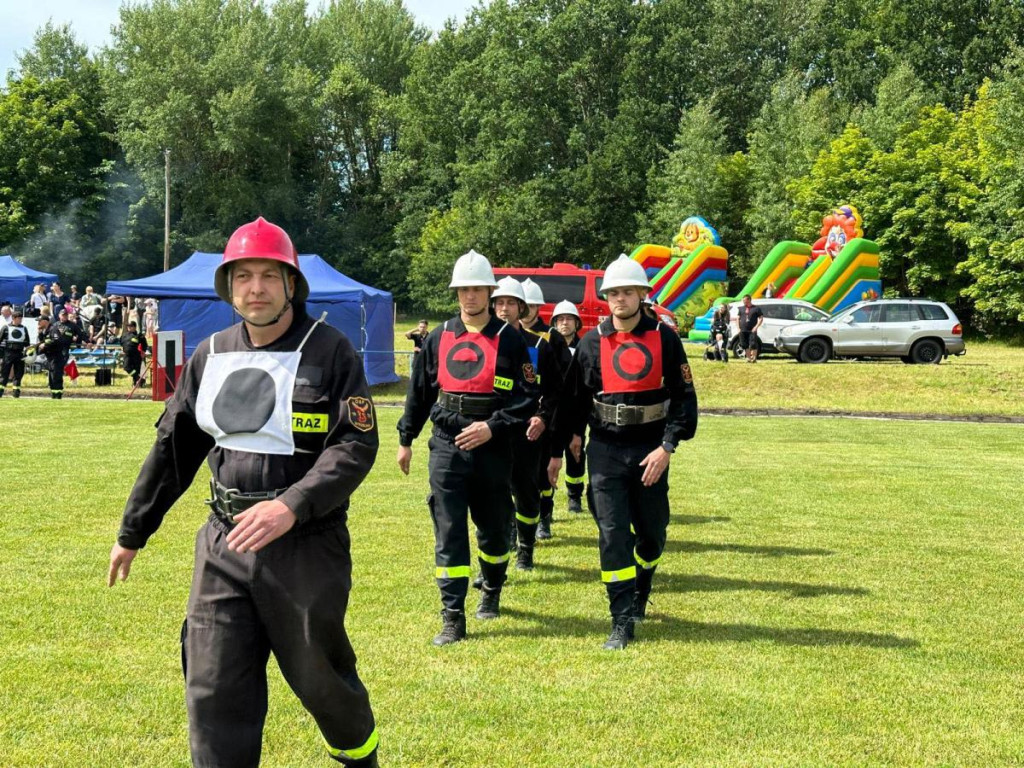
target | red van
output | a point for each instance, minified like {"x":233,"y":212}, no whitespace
{"x":578,"y":285}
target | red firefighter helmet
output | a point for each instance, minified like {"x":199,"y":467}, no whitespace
{"x":259,"y":240}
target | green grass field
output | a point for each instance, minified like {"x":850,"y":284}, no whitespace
{"x":835,"y":592}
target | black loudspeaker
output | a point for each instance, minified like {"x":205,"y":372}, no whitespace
{"x":104,"y":377}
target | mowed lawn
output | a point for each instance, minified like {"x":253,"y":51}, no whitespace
{"x":835,"y":592}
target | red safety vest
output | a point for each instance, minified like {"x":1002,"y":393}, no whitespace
{"x":631,"y":363}
{"x":467,"y":364}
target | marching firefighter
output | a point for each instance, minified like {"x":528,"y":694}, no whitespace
{"x":565,"y":319}
{"x":134,"y":346}
{"x":469,"y":380}
{"x":55,"y":341}
{"x":279,"y":406}
{"x":630,"y":381}
{"x":532,"y":321}
{"x":529,"y":446}
{"x":14,"y":341}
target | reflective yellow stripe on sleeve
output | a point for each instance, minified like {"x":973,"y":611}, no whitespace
{"x":359,"y":752}
{"x":623,"y":574}
{"x":494,"y":559}
{"x":452,"y":572}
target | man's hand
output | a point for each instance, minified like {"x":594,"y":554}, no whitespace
{"x":120,"y":563}
{"x":473,"y":436}
{"x":655,"y":464}
{"x":554,"y":467}
{"x":576,"y":447}
{"x":259,"y":525}
{"x":404,"y":458}
{"x":535,"y":428}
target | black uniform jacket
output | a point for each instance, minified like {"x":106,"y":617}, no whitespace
{"x":550,"y":370}
{"x":514,"y":408}
{"x":583,"y":386}
{"x":330,"y":461}
{"x":59,"y":338}
{"x":14,"y":340}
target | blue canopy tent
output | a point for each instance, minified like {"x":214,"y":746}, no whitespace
{"x":17,"y":280}
{"x":188,"y":303}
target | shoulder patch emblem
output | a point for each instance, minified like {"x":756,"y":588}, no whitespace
{"x":529,"y":373}
{"x":687,"y":373}
{"x":360,"y":413}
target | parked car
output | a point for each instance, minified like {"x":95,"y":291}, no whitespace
{"x":575,"y":284}
{"x":778,"y":313}
{"x":914,"y":330}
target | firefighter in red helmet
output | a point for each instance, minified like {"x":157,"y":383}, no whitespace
{"x":630,"y":382}
{"x":279,"y":406}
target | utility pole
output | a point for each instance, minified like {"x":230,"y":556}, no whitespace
{"x":167,"y":209}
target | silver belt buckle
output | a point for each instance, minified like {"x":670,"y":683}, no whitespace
{"x":620,"y":415}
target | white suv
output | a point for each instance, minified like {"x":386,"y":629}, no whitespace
{"x":778,"y":314}
{"x":914,"y":330}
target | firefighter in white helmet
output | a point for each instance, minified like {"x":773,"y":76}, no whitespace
{"x":630,"y":382}
{"x":469,"y":380}
{"x":565,"y":319}
{"x":532,"y":321}
{"x":530,"y":445}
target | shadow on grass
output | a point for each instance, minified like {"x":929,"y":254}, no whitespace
{"x":698,"y":519}
{"x":669,"y":628}
{"x":697,"y":547}
{"x":551,"y":573}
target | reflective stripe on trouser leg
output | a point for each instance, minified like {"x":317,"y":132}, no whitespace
{"x":466,"y":484}
{"x":575,"y":474}
{"x":356,"y":753}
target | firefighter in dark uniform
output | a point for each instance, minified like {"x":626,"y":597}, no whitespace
{"x":469,"y":380}
{"x":565,"y":319}
{"x":532,"y":321}
{"x":14,"y":341}
{"x":279,"y":406}
{"x":56,"y":343}
{"x":630,"y":381}
{"x":134,"y":346}
{"x":529,"y":448}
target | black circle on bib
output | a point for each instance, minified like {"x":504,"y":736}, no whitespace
{"x":464,"y":361}
{"x":245,"y":402}
{"x":627,"y":366}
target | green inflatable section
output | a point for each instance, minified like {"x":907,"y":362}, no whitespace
{"x":850,"y":253}
{"x":769,"y":265}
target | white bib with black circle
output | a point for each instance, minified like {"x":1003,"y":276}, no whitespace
{"x":245,"y":399}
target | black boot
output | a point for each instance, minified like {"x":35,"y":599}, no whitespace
{"x":17,"y":393}
{"x":619,"y":638}
{"x":2,"y":392}
{"x":490,"y":602}
{"x":575,"y":506}
{"x":524,"y":558}
{"x":544,"y":526}
{"x":453,"y":628}
{"x":478,"y":582}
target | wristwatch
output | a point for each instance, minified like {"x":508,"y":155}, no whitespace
{"x":668,"y":447}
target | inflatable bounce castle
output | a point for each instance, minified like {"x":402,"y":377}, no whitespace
{"x":839,"y":269}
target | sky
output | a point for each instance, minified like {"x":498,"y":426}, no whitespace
{"x":91,"y":21}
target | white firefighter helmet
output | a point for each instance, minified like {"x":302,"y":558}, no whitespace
{"x":30,"y":356}
{"x":472,"y":269}
{"x":565,"y":307}
{"x":624,"y":272}
{"x":509,"y":286}
{"x":534,"y":295}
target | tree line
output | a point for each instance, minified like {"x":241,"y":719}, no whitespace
{"x":534,"y":131}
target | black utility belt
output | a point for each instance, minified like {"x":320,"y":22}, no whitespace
{"x":623,"y":415}
{"x":228,"y":502}
{"x":469,"y":405}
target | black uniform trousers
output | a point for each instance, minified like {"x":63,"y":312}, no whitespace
{"x":133,"y":365}
{"x":621,"y":500}
{"x":462,"y":484}
{"x":526,"y":459}
{"x":290,"y":599}
{"x":544,"y":487}
{"x":13,"y":367}
{"x":55,"y":372}
{"x":575,"y":473}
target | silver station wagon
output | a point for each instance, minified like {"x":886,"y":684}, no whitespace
{"x":914,"y":330}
